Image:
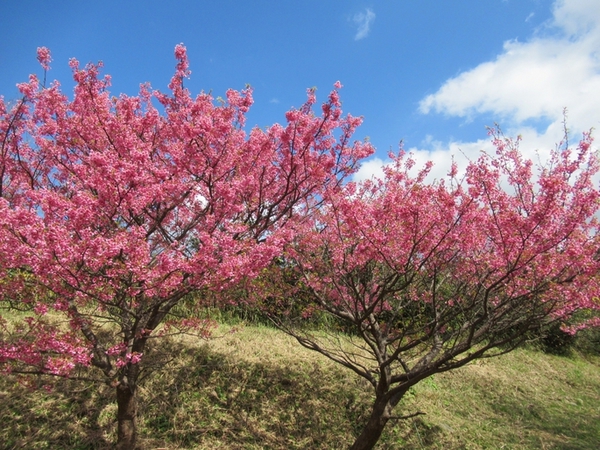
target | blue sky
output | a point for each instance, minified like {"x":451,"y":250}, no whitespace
{"x":431,"y":73}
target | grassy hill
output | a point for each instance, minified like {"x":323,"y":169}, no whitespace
{"x":256,"y":388}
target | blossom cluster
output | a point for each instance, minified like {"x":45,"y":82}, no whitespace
{"x":121,"y":207}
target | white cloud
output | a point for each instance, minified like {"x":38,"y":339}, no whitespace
{"x":363,"y":20}
{"x":440,"y":154}
{"x":373,"y":167}
{"x":529,"y":82}
{"x":577,"y":17}
{"x":535,"y":79}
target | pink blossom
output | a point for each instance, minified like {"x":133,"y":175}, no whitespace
{"x":118,"y":208}
{"x":129,"y":358}
{"x":180,"y":51}
{"x":116,"y":349}
{"x":40,"y":309}
{"x":43,"y":56}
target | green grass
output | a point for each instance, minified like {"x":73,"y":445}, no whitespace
{"x":258,"y":389}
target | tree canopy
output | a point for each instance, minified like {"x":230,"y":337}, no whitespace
{"x":114,"y":209}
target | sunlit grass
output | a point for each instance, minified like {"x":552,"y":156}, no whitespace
{"x":256,"y":388}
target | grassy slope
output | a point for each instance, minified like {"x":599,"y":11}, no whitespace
{"x":258,"y":389}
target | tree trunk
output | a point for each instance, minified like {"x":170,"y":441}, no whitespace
{"x":380,"y":414}
{"x":126,"y":412}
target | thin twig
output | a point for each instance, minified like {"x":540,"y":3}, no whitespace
{"x":409,"y":416}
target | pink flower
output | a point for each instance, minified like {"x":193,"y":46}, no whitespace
{"x":180,"y":51}
{"x":43,"y":56}
{"x":116,"y":349}
{"x":131,"y":358}
{"x":40,"y":309}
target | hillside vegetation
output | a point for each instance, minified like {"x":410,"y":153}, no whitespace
{"x":255,"y":388}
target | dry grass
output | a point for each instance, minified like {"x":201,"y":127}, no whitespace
{"x":258,"y":389}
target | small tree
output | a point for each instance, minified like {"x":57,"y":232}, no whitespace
{"x":428,"y":277}
{"x":113,"y":210}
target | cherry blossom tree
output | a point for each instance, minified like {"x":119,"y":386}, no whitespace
{"x":426,"y":278}
{"x":115,"y":209}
